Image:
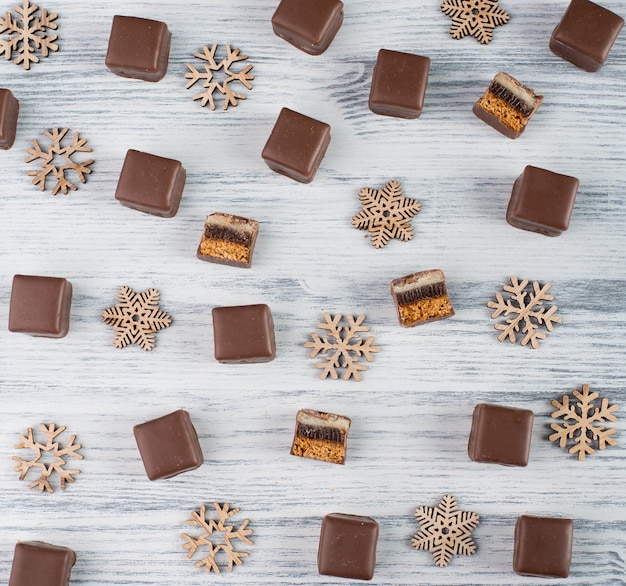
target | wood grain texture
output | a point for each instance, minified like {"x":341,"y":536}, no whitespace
{"x":412,"y":412}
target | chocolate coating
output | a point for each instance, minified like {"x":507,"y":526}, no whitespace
{"x":168,"y":445}
{"x":9,"y":111}
{"x":40,"y":306}
{"x":296,"y":145}
{"x":500,"y":435}
{"x":543,"y":546}
{"x":41,"y":564}
{"x":151,"y":184}
{"x":348,"y":546}
{"x":309,"y":26}
{"x":138,"y":48}
{"x":399,"y":84}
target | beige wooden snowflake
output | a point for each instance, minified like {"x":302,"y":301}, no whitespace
{"x":477,"y":18}
{"x":56,"y":451}
{"x":223,"y":541}
{"x":586,"y":427}
{"x":445,"y":530}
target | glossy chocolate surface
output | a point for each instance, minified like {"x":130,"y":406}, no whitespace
{"x":309,"y":26}
{"x":500,"y":435}
{"x":9,"y":111}
{"x":168,"y":445}
{"x":40,"y":306}
{"x":138,"y":48}
{"x":543,"y":546}
{"x":399,"y":84}
{"x":151,"y":184}
{"x":243,"y":334}
{"x":36,"y":563}
{"x":542,"y":201}
{"x":348,"y":546}
{"x":296,"y":145}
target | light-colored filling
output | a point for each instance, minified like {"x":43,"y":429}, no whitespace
{"x":419,"y":280}
{"x":227,"y":250}
{"x":319,"y":450}
{"x":426,"y":309}
{"x":499,"y":108}
{"x":318,"y":419}
{"x":516,"y":88}
{"x":229,"y":221}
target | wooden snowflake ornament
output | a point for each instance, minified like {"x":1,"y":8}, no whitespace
{"x":477,"y":18}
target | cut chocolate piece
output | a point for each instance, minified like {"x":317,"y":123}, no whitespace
{"x":168,"y":445}
{"x":507,"y":105}
{"x":542,"y":201}
{"x":228,"y":240}
{"x":500,"y":435}
{"x":151,"y":184}
{"x":296,"y":145}
{"x":309,"y":26}
{"x":421,"y":297}
{"x":43,"y":564}
{"x":348,"y":546}
{"x":138,"y":48}
{"x":40,"y":306}
{"x":321,"y":436}
{"x":399,"y":84}
{"x":243,"y":334}
{"x":9,"y":111}
{"x":543,"y":546}
{"x":586,"y":34}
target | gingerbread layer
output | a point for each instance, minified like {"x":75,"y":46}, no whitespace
{"x":426,"y":310}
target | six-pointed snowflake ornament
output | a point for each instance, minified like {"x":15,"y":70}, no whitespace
{"x":56,"y":451}
{"x":477,"y":18}
{"x":342,"y":347}
{"x":136,"y":318}
{"x":528,"y":310}
{"x":583,"y":423}
{"x":445,"y":530}
{"x":217,"y":536}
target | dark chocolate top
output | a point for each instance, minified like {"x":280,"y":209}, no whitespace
{"x":9,"y":111}
{"x":331,"y":434}
{"x":308,"y":23}
{"x":41,"y":564}
{"x":511,"y":99}
{"x":423,"y":292}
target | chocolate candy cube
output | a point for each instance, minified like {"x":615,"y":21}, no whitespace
{"x":9,"y":110}
{"x":500,"y":435}
{"x":296,"y":146}
{"x":347,"y":546}
{"x":228,"y":240}
{"x":542,"y":201}
{"x":138,"y":48}
{"x":586,"y":34}
{"x":36,"y":562}
{"x":321,"y":436}
{"x":309,"y":26}
{"x":168,"y":445}
{"x":151,"y":184}
{"x":243,"y":334}
{"x":543,"y":546}
{"x":40,"y":306}
{"x":399,"y":84}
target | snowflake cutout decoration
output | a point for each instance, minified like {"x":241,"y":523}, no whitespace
{"x":208,"y":75}
{"x":386,"y":213}
{"x":342,"y":351}
{"x":48,"y":165}
{"x":28,"y":33}
{"x":136,"y":318}
{"x":526,"y":305}
{"x":445,"y":530}
{"x":477,"y":18}
{"x":587,"y":423}
{"x":60,"y":454}
{"x":228,"y":535}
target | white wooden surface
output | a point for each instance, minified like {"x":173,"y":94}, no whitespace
{"x":412,"y":412}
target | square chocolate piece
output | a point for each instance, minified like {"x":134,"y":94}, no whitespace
{"x":500,"y":435}
{"x":399,"y":84}
{"x":321,"y":436}
{"x":296,"y":146}
{"x":228,"y":240}
{"x":243,"y":334}
{"x":543,"y":546}
{"x":36,"y":562}
{"x":168,"y":445}
{"x":347,"y":546}
{"x":542,"y":201}
{"x":309,"y":26}
{"x":9,"y":111}
{"x":151,"y":184}
{"x":40,"y":306}
{"x":586,"y":34}
{"x":138,"y":48}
